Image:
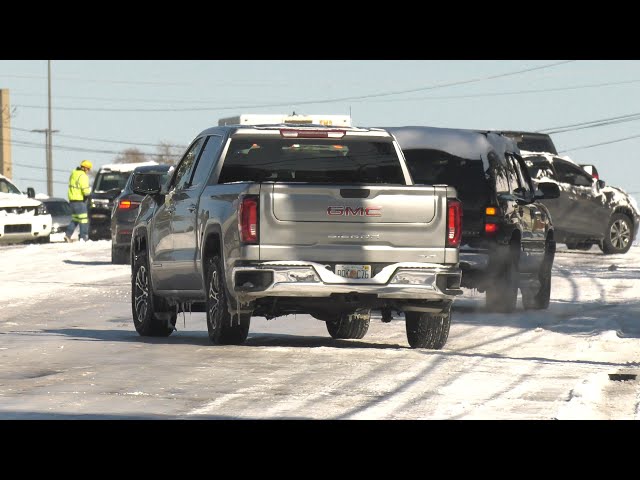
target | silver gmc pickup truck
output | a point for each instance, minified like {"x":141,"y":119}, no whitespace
{"x":271,"y":220}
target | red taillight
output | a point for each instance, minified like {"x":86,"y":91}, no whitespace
{"x":291,"y":133}
{"x":127,"y":204}
{"x":454,"y":223}
{"x":490,"y":227}
{"x":248,"y":219}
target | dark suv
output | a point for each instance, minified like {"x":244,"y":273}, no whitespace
{"x":108,"y":184}
{"x":532,"y":141}
{"x":507,"y":236}
{"x":125,"y":211}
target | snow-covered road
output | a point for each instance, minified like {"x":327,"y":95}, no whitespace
{"x":68,"y":349}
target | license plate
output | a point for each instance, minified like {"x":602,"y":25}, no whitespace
{"x":354,"y":271}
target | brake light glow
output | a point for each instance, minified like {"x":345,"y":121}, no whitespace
{"x":127,"y":205}
{"x":490,"y":227}
{"x":292,"y":133}
{"x":248,"y":219}
{"x":454,"y":223}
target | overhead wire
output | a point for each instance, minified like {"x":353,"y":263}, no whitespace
{"x":514,"y":92}
{"x":591,"y":123}
{"x":309,"y":102}
{"x":105,"y":140}
{"x":584,"y":147}
{"x":79,"y":149}
{"x":438,"y":97}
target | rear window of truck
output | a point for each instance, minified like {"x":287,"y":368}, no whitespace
{"x":433,"y":167}
{"x":110,"y":181}
{"x":334,"y":161}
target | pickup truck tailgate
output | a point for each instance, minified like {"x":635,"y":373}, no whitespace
{"x":352,"y":223}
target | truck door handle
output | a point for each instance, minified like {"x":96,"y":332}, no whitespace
{"x":192,"y":207}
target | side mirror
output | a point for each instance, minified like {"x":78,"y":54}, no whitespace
{"x":601,"y":184}
{"x":31,"y":193}
{"x":547,"y":190}
{"x":147,"y":183}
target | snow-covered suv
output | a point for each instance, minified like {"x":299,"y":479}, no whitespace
{"x":22,"y":218}
{"x":588,"y":212}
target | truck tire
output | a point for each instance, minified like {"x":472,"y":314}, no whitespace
{"x":222,"y":327}
{"x":152,"y":316}
{"x":539,"y":299}
{"x":350,"y":325}
{"x":618,"y":236}
{"x":428,"y":330}
{"x":119,"y":256}
{"x":502,"y":294}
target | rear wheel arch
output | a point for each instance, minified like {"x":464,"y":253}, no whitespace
{"x":625,"y":211}
{"x":211,"y":246}
{"x":139,"y":241}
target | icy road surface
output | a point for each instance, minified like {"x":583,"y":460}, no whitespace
{"x":68,"y":349}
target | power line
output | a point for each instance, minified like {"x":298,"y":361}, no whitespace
{"x":126,"y":82}
{"x":599,"y":122}
{"x":80,"y":149}
{"x":107,"y":140}
{"x":40,"y":180}
{"x":515,"y":92}
{"x":409,"y":99}
{"x":599,"y":144}
{"x":309,"y":102}
{"x":36,"y":167}
{"x":146,"y":82}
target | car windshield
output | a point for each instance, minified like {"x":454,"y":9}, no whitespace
{"x":8,"y":187}
{"x":110,"y":180}
{"x":333,"y":161}
{"x":58,"y":208}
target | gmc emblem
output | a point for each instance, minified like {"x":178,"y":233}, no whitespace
{"x":355,"y":212}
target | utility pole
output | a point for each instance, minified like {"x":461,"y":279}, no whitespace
{"x":49,"y":135}
{"x":47,"y":154}
{"x":5,"y":134}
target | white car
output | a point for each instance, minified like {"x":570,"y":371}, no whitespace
{"x":22,"y":219}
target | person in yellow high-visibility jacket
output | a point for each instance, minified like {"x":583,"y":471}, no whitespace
{"x":77,"y":194}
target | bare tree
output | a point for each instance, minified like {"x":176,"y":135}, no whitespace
{"x":166,"y":153}
{"x":131,"y":155}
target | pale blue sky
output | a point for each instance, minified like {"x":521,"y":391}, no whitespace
{"x":146,"y":102}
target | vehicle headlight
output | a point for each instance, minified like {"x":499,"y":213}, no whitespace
{"x":42,"y":209}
